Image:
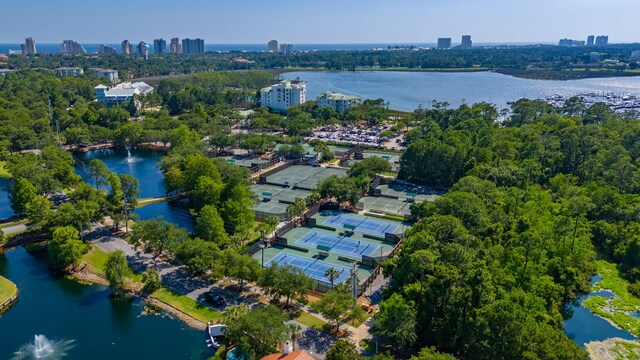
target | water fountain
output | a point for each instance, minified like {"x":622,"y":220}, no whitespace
{"x":130,"y":158}
{"x":43,"y":348}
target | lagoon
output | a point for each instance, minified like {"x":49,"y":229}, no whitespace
{"x":406,"y":90}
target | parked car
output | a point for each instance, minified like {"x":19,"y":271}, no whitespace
{"x":214,"y":299}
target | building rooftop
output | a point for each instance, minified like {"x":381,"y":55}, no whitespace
{"x":336,"y":96}
{"x":295,"y":355}
{"x":101,"y":87}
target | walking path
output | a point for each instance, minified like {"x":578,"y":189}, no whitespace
{"x":177,"y":278}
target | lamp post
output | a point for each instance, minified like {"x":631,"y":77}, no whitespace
{"x":262,"y":246}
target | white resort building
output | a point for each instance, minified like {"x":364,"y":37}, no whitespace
{"x":281,"y":96}
{"x":121,"y":92}
{"x":339,"y":102}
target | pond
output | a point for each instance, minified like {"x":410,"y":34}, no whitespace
{"x":5,"y":203}
{"x":143,"y":165}
{"x":584,"y":326}
{"x":83,"y":321}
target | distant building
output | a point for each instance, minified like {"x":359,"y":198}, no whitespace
{"x":570,"y":42}
{"x":127,"y":48}
{"x":29,"y":47}
{"x":69,"y":71}
{"x":590,"y":40}
{"x":596,"y":56}
{"x":193,"y":46}
{"x":72,"y":47}
{"x":466,"y":42}
{"x":602,"y":40}
{"x":286,"y":48}
{"x":444,"y":43}
{"x":281,"y":96}
{"x":635,"y":54}
{"x":339,"y":102}
{"x":273,"y":46}
{"x":175,"y":47}
{"x":107,"y":50}
{"x":121,"y":93}
{"x":159,"y":46}
{"x":108,"y":74}
{"x":143,"y":49}
{"x":4,"y":72}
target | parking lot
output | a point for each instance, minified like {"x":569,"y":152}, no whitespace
{"x":360,"y":134}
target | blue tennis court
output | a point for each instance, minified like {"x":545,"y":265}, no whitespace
{"x":365,"y":225}
{"x":343,"y":245}
{"x":315,"y":269}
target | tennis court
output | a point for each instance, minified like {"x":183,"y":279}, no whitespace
{"x":304,"y":177}
{"x":315,"y":269}
{"x":385,"y":205}
{"x":340,"y":244}
{"x":366,"y":225}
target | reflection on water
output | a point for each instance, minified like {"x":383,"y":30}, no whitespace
{"x":583,"y":326}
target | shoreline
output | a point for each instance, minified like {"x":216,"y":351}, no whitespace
{"x":550,"y":75}
{"x":91,"y":278}
{"x":12,"y":295}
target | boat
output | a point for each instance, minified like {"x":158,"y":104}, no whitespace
{"x":214,"y":334}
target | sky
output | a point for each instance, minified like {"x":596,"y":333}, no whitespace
{"x":320,"y":21}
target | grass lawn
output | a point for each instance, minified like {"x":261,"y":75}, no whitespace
{"x":311,"y":320}
{"x":614,"y":309}
{"x":7,"y":289}
{"x":98,"y":258}
{"x":3,"y":171}
{"x":187,"y":305}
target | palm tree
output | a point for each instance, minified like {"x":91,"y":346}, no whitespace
{"x":272,"y":221}
{"x":294,"y":332}
{"x":332,"y":274}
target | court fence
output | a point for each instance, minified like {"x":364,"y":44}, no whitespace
{"x":261,"y":166}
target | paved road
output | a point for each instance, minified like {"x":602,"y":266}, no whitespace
{"x":14,"y":229}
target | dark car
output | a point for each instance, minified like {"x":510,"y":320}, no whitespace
{"x":214,"y":299}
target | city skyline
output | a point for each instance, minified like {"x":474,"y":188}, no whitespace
{"x":249,"y":21}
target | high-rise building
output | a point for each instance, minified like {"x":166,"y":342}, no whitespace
{"x":143,"y":49}
{"x":466,"y":42}
{"x":635,"y":54}
{"x":127,"y":48}
{"x":590,"y":40}
{"x":159,"y":46}
{"x":338,"y":102}
{"x":602,"y":40}
{"x":107,"y":50}
{"x":29,"y":47}
{"x":193,"y":46}
{"x":444,"y":43}
{"x":570,"y":42}
{"x":72,"y":47}
{"x":273,"y":46}
{"x":286,"y":48}
{"x":281,"y":96}
{"x":176,"y":47}
{"x":109,"y":74}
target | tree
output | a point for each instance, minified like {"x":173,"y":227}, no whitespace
{"x":288,"y":281}
{"x":116,"y":272}
{"x":39,"y":213}
{"x":294,"y":333}
{"x":233,"y":313}
{"x":157,"y":235}
{"x":343,"y":350}
{"x":237,"y":211}
{"x":337,"y":306}
{"x":151,"y":280}
{"x":98,"y":172}
{"x":396,"y":321}
{"x":65,"y":248}
{"x":207,"y":192}
{"x":210,"y":227}
{"x":430,"y":353}
{"x":258,"y":332}
{"x":332,"y":274}
{"x":370,"y":167}
{"x":130,"y":192}
{"x":23,"y":192}
{"x":241,"y":267}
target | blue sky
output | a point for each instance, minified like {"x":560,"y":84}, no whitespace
{"x":320,"y":21}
